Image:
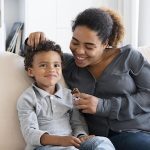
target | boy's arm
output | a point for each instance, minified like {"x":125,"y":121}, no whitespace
{"x":27,"y":113}
{"x":47,"y":139}
{"x":78,"y":123}
{"x":28,"y":119}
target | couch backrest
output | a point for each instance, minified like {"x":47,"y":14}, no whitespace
{"x":13,"y":81}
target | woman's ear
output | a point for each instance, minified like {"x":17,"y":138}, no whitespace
{"x":106,"y":44}
{"x":30,"y":72}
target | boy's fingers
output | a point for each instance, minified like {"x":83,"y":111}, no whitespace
{"x":77,"y":142}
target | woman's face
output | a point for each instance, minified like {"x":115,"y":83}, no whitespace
{"x":86,"y":47}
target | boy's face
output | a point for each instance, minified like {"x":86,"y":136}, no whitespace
{"x":46,"y":69}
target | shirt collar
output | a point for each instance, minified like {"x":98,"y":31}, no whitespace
{"x":58,"y":93}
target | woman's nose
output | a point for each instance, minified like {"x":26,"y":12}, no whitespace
{"x":80,"y":50}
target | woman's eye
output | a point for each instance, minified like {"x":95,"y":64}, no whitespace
{"x":74,"y":43}
{"x":89,"y":48}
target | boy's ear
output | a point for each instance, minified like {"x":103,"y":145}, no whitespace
{"x":29,"y":72}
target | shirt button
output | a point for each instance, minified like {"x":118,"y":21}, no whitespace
{"x":51,"y":97}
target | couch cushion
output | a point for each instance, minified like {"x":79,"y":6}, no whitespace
{"x":13,"y":81}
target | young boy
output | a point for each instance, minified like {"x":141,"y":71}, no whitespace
{"x":47,"y":117}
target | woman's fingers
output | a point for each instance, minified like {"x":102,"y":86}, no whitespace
{"x":82,"y":95}
{"x":82,"y":107}
{"x":35,"y":38}
{"x":43,"y":37}
{"x":87,"y":103}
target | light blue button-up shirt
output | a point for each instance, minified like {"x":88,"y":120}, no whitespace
{"x":40,"y":112}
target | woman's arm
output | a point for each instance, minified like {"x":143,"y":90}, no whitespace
{"x":126,"y":106}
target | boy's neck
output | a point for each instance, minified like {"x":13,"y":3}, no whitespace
{"x":51,"y":89}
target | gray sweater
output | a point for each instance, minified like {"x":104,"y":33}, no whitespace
{"x":123,"y":90}
{"x":39,"y":113}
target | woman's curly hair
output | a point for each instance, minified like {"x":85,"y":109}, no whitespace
{"x":105,"y":22}
{"x":118,"y":29}
{"x":44,"y":46}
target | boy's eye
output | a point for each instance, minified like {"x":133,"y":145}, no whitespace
{"x":57,"y":65}
{"x":89,"y":48}
{"x":43,"y":65}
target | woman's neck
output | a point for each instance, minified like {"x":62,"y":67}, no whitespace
{"x":108,"y":56}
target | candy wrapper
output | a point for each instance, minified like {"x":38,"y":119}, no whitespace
{"x":74,"y":91}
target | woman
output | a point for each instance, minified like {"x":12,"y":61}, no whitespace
{"x":114,"y":82}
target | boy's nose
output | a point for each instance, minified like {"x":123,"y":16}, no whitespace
{"x":50,"y":68}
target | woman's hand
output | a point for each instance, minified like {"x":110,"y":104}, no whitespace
{"x":86,"y":103}
{"x":35,"y":38}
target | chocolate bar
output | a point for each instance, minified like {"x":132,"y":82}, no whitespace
{"x":74,"y":91}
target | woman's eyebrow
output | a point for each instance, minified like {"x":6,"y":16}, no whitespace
{"x":75,"y":39}
{"x":84,"y":43}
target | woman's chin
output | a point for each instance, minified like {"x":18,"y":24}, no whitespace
{"x":81,"y":64}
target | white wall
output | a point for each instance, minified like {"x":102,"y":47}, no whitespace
{"x":11,"y":13}
{"x":2,"y":28}
{"x":144,"y":23}
{"x":55,"y":19}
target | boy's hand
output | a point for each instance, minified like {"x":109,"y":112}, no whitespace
{"x":70,"y":141}
{"x":85,"y":137}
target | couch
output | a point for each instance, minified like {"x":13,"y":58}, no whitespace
{"x":13,"y":81}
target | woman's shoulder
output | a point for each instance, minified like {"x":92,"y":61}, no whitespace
{"x":131,"y":52}
{"x":126,"y":48}
{"x":133,"y":57}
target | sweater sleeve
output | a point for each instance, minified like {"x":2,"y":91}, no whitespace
{"x":130,"y":105}
{"x":78,"y":123}
{"x":28,"y":119}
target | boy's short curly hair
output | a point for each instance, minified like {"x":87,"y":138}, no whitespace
{"x":43,"y":46}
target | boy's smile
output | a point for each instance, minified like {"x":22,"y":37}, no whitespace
{"x":46,"y":70}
